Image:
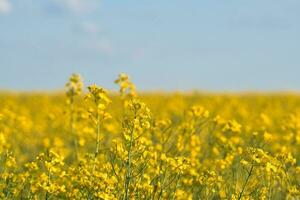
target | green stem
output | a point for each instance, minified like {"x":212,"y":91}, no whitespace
{"x":128,"y":168}
{"x":97,"y":139}
{"x":98,"y":135}
{"x":246,"y":182}
{"x":73,"y":128}
{"x":176,"y":186}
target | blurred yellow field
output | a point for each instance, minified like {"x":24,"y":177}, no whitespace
{"x":89,"y":143}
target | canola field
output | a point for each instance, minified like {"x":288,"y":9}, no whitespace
{"x":89,"y":143}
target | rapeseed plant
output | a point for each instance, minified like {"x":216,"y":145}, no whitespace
{"x":97,"y":144}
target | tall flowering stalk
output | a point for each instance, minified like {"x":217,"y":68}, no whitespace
{"x":73,"y":88}
{"x":136,"y":122}
{"x":127,"y":88}
{"x":98,"y":96}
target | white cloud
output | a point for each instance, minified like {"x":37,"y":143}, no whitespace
{"x":90,"y":27}
{"x":5,"y":6}
{"x":101,"y":46}
{"x":79,"y":6}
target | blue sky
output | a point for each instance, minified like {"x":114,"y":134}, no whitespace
{"x":217,"y":45}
